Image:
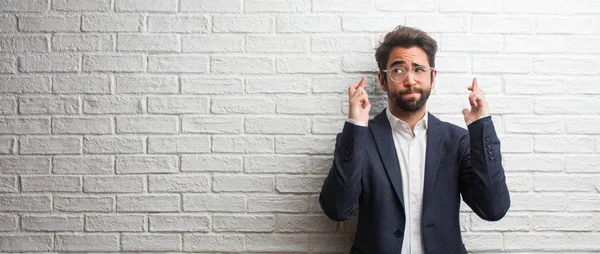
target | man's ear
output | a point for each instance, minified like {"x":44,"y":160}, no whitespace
{"x":433,"y":78}
{"x":381,"y":76}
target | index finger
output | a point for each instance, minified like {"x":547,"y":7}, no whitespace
{"x":356,"y":85}
{"x":475,"y":86}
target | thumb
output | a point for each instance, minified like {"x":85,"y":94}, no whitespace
{"x":466,"y":111}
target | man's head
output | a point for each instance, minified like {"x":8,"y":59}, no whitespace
{"x":406,"y":58}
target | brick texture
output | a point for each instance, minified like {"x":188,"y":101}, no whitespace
{"x":203,"y":126}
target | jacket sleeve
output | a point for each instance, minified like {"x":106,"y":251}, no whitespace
{"x":342,"y":187}
{"x":481,"y":179}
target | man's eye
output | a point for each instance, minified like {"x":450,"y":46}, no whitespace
{"x":420,"y":69}
{"x":398,"y":71}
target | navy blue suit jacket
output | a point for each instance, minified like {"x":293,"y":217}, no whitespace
{"x":366,"y":175}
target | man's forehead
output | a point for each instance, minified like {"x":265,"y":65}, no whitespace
{"x":412,"y":56}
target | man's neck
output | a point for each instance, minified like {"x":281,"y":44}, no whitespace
{"x":411,"y":118}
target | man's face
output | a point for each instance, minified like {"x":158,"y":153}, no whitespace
{"x":410,"y":91}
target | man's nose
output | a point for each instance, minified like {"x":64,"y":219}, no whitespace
{"x":409,"y":79}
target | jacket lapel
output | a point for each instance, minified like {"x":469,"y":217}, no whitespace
{"x":380,"y":127}
{"x":433,"y":153}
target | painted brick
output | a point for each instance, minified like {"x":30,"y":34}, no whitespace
{"x":113,"y":184}
{"x":201,"y":85}
{"x":304,"y":223}
{"x":26,"y":242}
{"x":308,"y":105}
{"x":114,"y":63}
{"x":304,"y":145}
{"x":212,"y":43}
{"x":69,"y":23}
{"x":8,"y":222}
{"x":214,"y":203}
{"x":25,"y":5}
{"x":147,"y":84}
{"x":25,"y":203}
{"x":81,"y":203}
{"x":242,"y":24}
{"x":179,"y":223}
{"x":430,"y":23}
{"x":278,"y":204}
{"x":112,"y":23}
{"x":8,"y":184}
{"x":234,"y":6}
{"x":147,"y":124}
{"x":52,"y":223}
{"x":25,"y":164}
{"x":276,"y":243}
{"x":148,"y":42}
{"x":241,"y":65}
{"x":146,"y":5}
{"x":23,"y":43}
{"x":242,"y":144}
{"x":148,"y":203}
{"x":179,"y":144}
{"x":113,"y":145}
{"x":277,"y":6}
{"x":211,"y":163}
{"x":70,"y":84}
{"x":50,"y":145}
{"x":243,"y":105}
{"x":151,"y":242}
{"x":86,"y":242}
{"x":178,"y":183}
{"x":244,"y":223}
{"x":82,"y":125}
{"x":115,"y":223}
{"x":51,"y":183}
{"x":177,"y":63}
{"x":49,"y":105}
{"x":206,"y":242}
{"x":308,"y":23}
{"x":212,"y":124}
{"x":277,"y":85}
{"x":236,"y":183}
{"x":277,"y":43}
{"x":83,"y":164}
{"x":177,"y":24}
{"x":278,"y":125}
{"x":141,"y":164}
{"x":81,"y":5}
{"x":302,"y":64}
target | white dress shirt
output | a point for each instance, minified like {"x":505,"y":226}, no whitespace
{"x":410,"y":149}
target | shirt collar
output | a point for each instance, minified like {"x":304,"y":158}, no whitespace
{"x":396,"y":122}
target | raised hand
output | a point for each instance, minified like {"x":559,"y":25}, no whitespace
{"x":359,"y":101}
{"x":479,"y":105}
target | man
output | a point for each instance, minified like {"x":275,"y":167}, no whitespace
{"x":405,"y":169}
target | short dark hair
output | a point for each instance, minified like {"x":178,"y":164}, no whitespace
{"x":405,"y":37}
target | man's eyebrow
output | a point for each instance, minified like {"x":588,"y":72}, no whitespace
{"x":402,"y":62}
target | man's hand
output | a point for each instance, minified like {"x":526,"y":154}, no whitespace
{"x":479,"y":105}
{"x":359,"y":101}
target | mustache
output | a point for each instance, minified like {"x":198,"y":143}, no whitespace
{"x":412,"y":90}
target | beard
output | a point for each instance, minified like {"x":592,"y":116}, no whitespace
{"x":410,"y":105}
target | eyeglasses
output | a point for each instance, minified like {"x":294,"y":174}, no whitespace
{"x":398,"y":74}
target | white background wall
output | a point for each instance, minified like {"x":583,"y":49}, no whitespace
{"x":198,"y":126}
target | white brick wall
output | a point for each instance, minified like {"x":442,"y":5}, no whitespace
{"x":209,"y":126}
